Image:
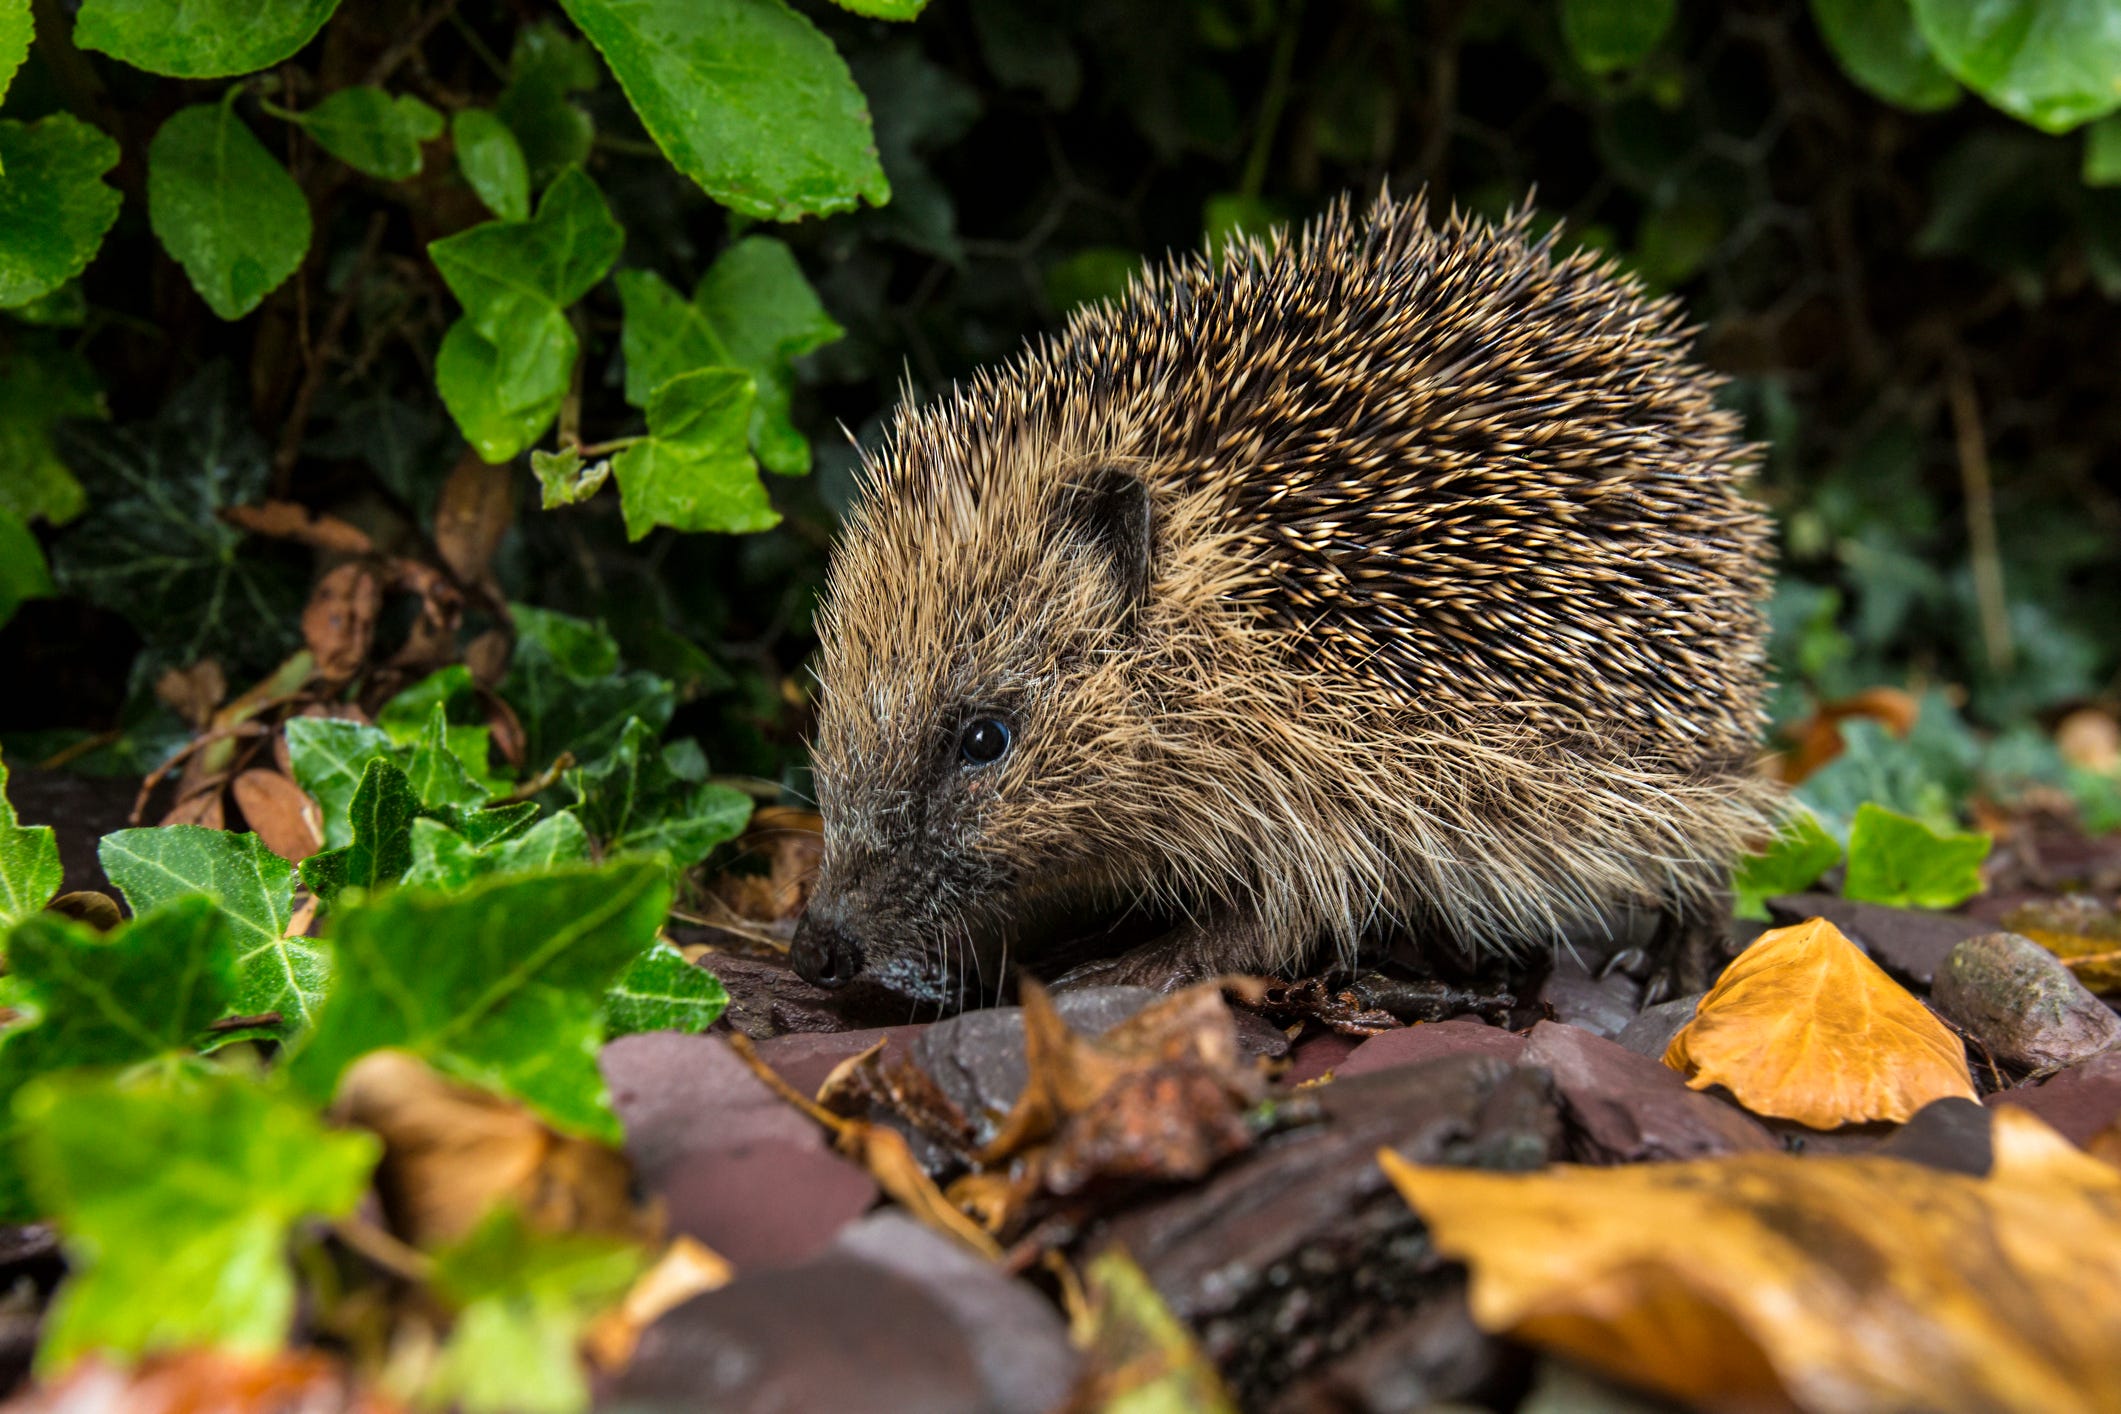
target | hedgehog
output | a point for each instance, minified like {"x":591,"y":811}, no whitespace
{"x":1392,"y":582}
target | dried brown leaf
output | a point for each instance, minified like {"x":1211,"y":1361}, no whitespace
{"x":450,"y":1153}
{"x":208,"y":1382}
{"x":473,"y":513}
{"x":791,"y":841}
{"x":284,"y":520}
{"x":2090,"y":738}
{"x":1837,"y":1283}
{"x":276,"y":809}
{"x":1803,"y":1026}
{"x":685,"y":1270}
{"x":194,"y":692}
{"x":201,"y":807}
{"x":98,"y":910}
{"x":339,"y":622}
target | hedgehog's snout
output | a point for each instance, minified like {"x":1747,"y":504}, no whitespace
{"x":824,"y":953}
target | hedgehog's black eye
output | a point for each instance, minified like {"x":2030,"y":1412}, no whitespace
{"x":985,"y":741}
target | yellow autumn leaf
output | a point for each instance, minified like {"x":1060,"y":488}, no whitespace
{"x":1803,"y":1026}
{"x":1834,"y":1283}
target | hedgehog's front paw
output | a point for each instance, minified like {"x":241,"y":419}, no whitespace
{"x":1189,"y":953}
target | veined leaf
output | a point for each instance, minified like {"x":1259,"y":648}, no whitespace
{"x":492,"y":161}
{"x":200,"y":39}
{"x":2048,"y":62}
{"x":693,"y":471}
{"x":662,"y":991}
{"x":1801,"y":851}
{"x":371,"y":131}
{"x":634,"y":802}
{"x":1877,"y":42}
{"x":30,"y":872}
{"x":224,"y":208}
{"x":1897,"y":860}
{"x":55,"y":206}
{"x":329,"y":756}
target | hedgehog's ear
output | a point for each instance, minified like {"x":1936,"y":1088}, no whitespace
{"x":1108,"y":509}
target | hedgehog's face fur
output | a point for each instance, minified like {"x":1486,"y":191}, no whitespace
{"x":962,"y":787}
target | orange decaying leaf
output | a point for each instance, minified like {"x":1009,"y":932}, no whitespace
{"x":1839,"y":1283}
{"x":1803,"y":1026}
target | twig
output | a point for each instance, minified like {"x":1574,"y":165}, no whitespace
{"x":1981,"y":520}
{"x":405,"y":48}
{"x":290,"y":450}
{"x":239,"y":1023}
{"x":384,"y":1250}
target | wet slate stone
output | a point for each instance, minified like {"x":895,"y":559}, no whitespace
{"x":834,"y":1333}
{"x":1572,"y":993}
{"x":2078,"y":1102}
{"x":1429,"y":1040}
{"x":1908,"y":943}
{"x":893,"y":1318}
{"x":1319,"y":1055}
{"x":1651,"y":1032}
{"x":1626,"y":1108}
{"x":1438,"y":1356}
{"x":1950,"y":1134}
{"x":1019,"y":1340}
{"x":2018,"y":1000}
{"x":977,"y":1058}
{"x":805,"y":1058}
{"x":1300,"y":1250}
{"x":766,"y":998}
{"x":765,"y":1204}
{"x":679,"y":1095}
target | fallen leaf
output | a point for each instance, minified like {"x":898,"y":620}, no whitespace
{"x":203,"y":807}
{"x":791,"y":842}
{"x":475,"y":509}
{"x":452,"y":1153}
{"x":98,"y":910}
{"x":1899,"y":861}
{"x":1817,"y":739}
{"x":2091,"y":739}
{"x":1140,"y":1359}
{"x":686,"y":1268}
{"x":196,"y":1381}
{"x":339,"y":622}
{"x":284,"y":520}
{"x":1838,"y":1283}
{"x":279,"y":814}
{"x":1803,"y":1026}
{"x":194,"y":692}
{"x":2083,"y":932}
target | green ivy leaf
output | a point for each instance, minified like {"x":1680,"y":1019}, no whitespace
{"x":499,"y":985}
{"x":492,"y":161}
{"x":220,"y":204}
{"x":382,"y":813}
{"x":442,"y":857}
{"x":634,"y":802}
{"x":664,"y":992}
{"x":141,"y":993}
{"x":1878,"y":44}
{"x":176,"y":1202}
{"x":1801,"y":851}
{"x":2102,"y":153}
{"x":23,"y":573}
{"x":524,"y":1298}
{"x":753,"y":311}
{"x":435,"y":774}
{"x":30,"y":872}
{"x":372,"y":132}
{"x":54,"y":205}
{"x":200,"y":39}
{"x":746,"y":98}
{"x":152,"y":546}
{"x":2049,"y":62}
{"x":1605,"y":35}
{"x":503,"y":368}
{"x":16,"y":28}
{"x":545,"y":66}
{"x":885,"y":9}
{"x":249,"y":883}
{"x":565,"y":479}
{"x":40,"y":387}
{"x":568,"y":691}
{"x":693,"y":471}
{"x":1897,"y":860}
{"x":406,"y":719}
{"x":329,"y":756}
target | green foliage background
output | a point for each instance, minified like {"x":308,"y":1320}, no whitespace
{"x":312,"y":252}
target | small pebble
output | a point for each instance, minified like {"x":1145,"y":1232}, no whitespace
{"x":2017,"y":999}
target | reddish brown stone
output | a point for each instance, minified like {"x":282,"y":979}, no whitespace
{"x":2079,"y":1101}
{"x":1430,"y":1040}
{"x":1625,"y":1108}
{"x":768,"y":1204}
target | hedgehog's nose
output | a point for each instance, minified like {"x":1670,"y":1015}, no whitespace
{"x":825,"y":954}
